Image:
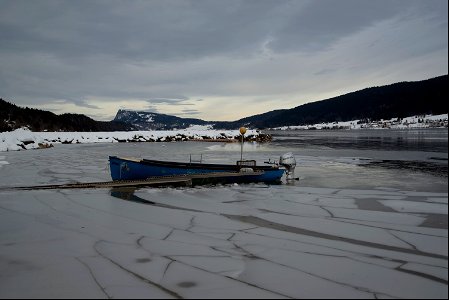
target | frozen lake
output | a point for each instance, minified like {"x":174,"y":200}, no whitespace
{"x":367,"y":219}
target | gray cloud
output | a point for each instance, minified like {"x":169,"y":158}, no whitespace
{"x":141,"y":30}
{"x":170,"y":101}
{"x":268,"y":53}
{"x":189,"y":112}
{"x":87,"y":105}
{"x":137,"y":29}
{"x":319,"y":23}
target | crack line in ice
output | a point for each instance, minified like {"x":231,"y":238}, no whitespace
{"x":168,"y":235}
{"x":230,"y":253}
{"x":94,"y":278}
{"x":423,"y":275}
{"x":361,"y":254}
{"x":361,"y":289}
{"x":344,"y":220}
{"x":231,"y":278}
{"x":281,"y":227}
{"x":402,"y":262}
{"x":280,"y":213}
{"x":191,"y":224}
{"x":251,"y":228}
{"x":143,"y":279}
{"x":139,"y":243}
{"x":168,"y":266}
{"x":172,"y":259}
{"x":402,"y":240}
{"x":235,"y":201}
{"x":247,"y":253}
{"x":328,"y":211}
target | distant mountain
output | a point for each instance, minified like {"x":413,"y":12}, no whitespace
{"x":142,"y":120}
{"x":397,"y":100}
{"x":13,"y":117}
{"x":154,"y":121}
{"x":401,"y":100}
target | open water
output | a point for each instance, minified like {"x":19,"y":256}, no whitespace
{"x":416,"y":159}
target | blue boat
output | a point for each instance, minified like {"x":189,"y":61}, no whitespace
{"x":141,"y":169}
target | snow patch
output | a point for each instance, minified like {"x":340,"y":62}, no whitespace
{"x":24,"y":139}
{"x":422,"y":121}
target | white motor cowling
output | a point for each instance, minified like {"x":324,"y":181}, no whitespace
{"x":289,"y":162}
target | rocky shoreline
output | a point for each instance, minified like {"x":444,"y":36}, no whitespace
{"x":23,"y":139}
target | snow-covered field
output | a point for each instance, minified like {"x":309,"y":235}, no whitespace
{"x":413,"y":122}
{"x":24,"y":139}
{"x":342,"y":231}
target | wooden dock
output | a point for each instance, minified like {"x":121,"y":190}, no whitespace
{"x":160,"y":181}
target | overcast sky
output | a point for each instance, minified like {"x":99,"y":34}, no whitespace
{"x":215,"y":60}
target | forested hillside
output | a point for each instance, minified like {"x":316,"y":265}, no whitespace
{"x":397,"y":100}
{"x":13,"y":117}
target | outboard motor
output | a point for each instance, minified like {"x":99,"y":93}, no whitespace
{"x":289,"y":162}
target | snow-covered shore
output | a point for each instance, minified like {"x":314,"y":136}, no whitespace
{"x":425,"y":121}
{"x":24,"y":139}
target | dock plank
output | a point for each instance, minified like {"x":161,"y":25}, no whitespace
{"x":178,"y":180}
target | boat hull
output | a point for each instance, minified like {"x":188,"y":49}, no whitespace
{"x":133,"y":169}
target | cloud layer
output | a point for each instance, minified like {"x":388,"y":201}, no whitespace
{"x":217,"y":60}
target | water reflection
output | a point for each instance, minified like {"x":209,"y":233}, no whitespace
{"x":432,"y":140}
{"x":433,"y":168}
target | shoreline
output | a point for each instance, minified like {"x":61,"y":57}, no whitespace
{"x":409,"y":123}
{"x":23,"y":139}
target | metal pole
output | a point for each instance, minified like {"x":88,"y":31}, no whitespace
{"x":241,"y":151}
{"x":242,"y":132}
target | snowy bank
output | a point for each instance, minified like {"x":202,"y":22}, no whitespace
{"x":24,"y":139}
{"x":424,"y":121}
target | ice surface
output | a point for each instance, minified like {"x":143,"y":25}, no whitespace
{"x":431,"y":270}
{"x":416,"y":207}
{"x":231,"y":241}
{"x":116,"y":248}
{"x":377,"y":216}
{"x":2,"y":161}
{"x":425,"y":243}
